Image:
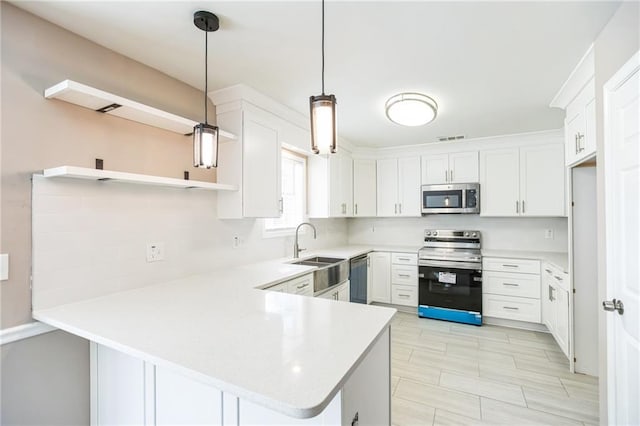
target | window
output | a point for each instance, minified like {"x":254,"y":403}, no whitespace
{"x":294,"y":185}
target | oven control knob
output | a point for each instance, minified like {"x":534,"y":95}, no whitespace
{"x":475,"y":234}
{"x":435,"y":233}
{"x":428,"y":233}
{"x":466,"y":234}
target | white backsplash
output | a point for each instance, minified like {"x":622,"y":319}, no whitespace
{"x":90,"y":237}
{"x":497,"y":233}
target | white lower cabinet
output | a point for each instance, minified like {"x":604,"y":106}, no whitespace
{"x":511,"y":289}
{"x":555,"y":304}
{"x":340,"y":293}
{"x":404,"y":279}
{"x":380,"y":276}
{"x":302,"y":286}
{"x":126,"y":390}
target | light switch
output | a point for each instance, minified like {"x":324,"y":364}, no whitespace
{"x":4,"y":267}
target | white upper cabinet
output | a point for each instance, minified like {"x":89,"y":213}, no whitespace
{"x":577,"y":98}
{"x":526,"y":181}
{"x":364,"y":188}
{"x":330,"y":185}
{"x":252,"y":162}
{"x":580,"y":124}
{"x":542,"y":178}
{"x":398,"y":187}
{"x":459,"y":167}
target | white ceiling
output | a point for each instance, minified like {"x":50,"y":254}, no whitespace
{"x":493,"y":67}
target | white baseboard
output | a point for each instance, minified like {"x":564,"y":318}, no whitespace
{"x":24,"y":331}
{"x":524,"y":325}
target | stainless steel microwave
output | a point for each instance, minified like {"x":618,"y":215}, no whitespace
{"x":452,"y":198}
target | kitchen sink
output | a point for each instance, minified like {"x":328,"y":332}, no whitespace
{"x":319,"y":261}
{"x":330,"y":271}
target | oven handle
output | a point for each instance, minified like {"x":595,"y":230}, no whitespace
{"x":450,"y":264}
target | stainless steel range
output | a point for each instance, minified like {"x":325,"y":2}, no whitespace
{"x":450,"y":276}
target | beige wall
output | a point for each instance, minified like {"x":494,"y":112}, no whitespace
{"x":38,"y":133}
{"x":615,"y":45}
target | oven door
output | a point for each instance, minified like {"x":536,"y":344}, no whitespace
{"x":450,"y":288}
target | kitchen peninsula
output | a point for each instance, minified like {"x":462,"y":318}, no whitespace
{"x":217,"y":348}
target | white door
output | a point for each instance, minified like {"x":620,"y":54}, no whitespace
{"x":387,"y":187}
{"x":346,"y":183}
{"x":622,"y":210}
{"x":542,"y":177}
{"x":463,"y":167}
{"x":409,"y":187}
{"x":364,"y":188}
{"x":499,"y":182}
{"x":435,"y":169}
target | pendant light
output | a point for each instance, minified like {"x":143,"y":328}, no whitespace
{"x":323,"y":115}
{"x":205,"y":136}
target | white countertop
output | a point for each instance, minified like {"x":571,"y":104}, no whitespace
{"x":559,"y":259}
{"x":261,"y":346}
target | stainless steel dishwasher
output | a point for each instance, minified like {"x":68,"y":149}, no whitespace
{"x":358,"y":278}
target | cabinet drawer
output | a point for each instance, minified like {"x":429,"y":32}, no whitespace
{"x":509,"y":307}
{"x":503,"y":264}
{"x":302,"y":285}
{"x":404,"y":295}
{"x":511,"y":284}
{"x":407,"y":275}
{"x":404,"y":258}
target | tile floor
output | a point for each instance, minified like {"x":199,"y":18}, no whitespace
{"x":452,"y":374}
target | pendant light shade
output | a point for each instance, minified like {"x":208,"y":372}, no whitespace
{"x":205,"y":136}
{"x":205,"y":146}
{"x":323,"y":124}
{"x":323,"y":115}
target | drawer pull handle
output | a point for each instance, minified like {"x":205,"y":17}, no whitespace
{"x":510,"y":266}
{"x":548,"y":271}
{"x":404,"y":258}
{"x":557,"y":278}
{"x":511,"y":308}
{"x":404,"y":295}
{"x":511,"y":284}
{"x":303,"y":285}
{"x":404,"y":275}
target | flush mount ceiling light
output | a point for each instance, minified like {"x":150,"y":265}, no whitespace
{"x":205,"y":136}
{"x":411,"y":109}
{"x":323,"y":115}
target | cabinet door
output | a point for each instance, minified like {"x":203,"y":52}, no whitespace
{"x":343,"y":292}
{"x":463,"y":167}
{"x":588,"y":143}
{"x":261,"y":168}
{"x":340,"y":185}
{"x":346,"y":183}
{"x":387,"y":187}
{"x":499,"y":182}
{"x":542,"y":180}
{"x":182,"y":400}
{"x":548,"y":308}
{"x":435,"y":169}
{"x":380,"y":277}
{"x":364,"y":188}
{"x":573,"y":126}
{"x":409,"y":187}
{"x":562,"y":320}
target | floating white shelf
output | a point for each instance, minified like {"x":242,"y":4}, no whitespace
{"x":94,"y":174}
{"x":108,"y":103}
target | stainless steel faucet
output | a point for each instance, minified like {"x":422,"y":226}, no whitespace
{"x":296,"y":248}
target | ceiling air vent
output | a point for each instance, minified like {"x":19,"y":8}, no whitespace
{"x":450,"y":138}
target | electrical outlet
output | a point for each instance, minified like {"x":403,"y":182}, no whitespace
{"x":237,"y":241}
{"x":548,"y":234}
{"x":155,"y":252}
{"x":4,"y":267}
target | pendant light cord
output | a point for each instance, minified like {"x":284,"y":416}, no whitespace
{"x":206,"y":74}
{"x":323,"y":47}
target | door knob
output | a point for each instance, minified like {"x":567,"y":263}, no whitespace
{"x":613,"y":305}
